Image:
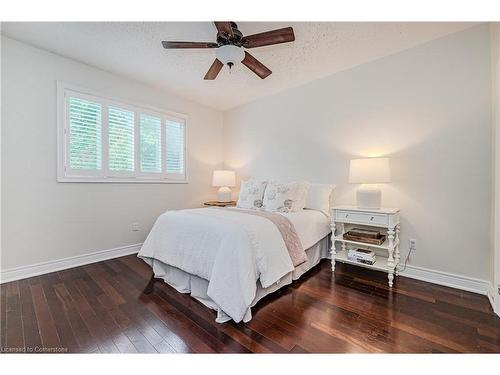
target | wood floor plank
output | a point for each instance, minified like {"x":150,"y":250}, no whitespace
{"x":56,"y":308}
{"x":99,"y":277}
{"x":82,"y":334}
{"x":142,"y":325}
{"x":180,"y":325}
{"x":198,"y":314}
{"x":258,"y":338}
{"x":3,"y":315}
{"x":131,"y":295}
{"x":254,"y":346}
{"x":15,"y":336}
{"x":48,"y":331}
{"x":31,"y":331}
{"x":199,"y":339}
{"x":101,"y":308}
{"x":301,"y":330}
{"x":106,"y":322}
{"x":173,"y":340}
{"x":164,"y":347}
{"x":298,"y":350}
{"x":92,"y":322}
{"x":139,"y":341}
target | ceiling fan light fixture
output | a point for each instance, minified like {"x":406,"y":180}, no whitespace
{"x":229,"y":54}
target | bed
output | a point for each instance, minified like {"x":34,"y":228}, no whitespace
{"x":230,"y":258}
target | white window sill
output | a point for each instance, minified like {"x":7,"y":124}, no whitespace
{"x":114,"y":180}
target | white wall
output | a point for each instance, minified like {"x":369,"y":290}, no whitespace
{"x":495,"y":248}
{"x":427,"y":108}
{"x":43,"y":220}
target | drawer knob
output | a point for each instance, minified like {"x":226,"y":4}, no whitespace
{"x":346,"y":215}
{"x":371,"y":218}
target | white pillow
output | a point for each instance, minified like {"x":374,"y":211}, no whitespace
{"x":251,"y":194}
{"x":318,"y":197}
{"x":300,"y":202}
{"x":284,"y":198}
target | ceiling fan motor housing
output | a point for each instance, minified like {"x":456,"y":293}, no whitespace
{"x":235,"y":37}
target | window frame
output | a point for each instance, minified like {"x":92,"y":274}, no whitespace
{"x":66,"y":174}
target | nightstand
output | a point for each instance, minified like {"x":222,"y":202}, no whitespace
{"x":387,"y":219}
{"x":220,"y":204}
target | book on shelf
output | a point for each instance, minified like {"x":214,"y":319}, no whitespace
{"x":361,"y":260}
{"x":362,"y":253}
{"x":362,"y":256}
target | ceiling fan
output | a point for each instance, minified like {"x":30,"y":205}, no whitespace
{"x":230,"y":44}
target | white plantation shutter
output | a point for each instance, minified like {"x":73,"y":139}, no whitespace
{"x":175,"y":147}
{"x":121,"y":139}
{"x":150,"y":144}
{"x":85,"y":134}
{"x":103,"y":140}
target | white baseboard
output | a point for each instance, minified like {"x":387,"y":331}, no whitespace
{"x":493,"y":296}
{"x":23,"y":272}
{"x":469,"y":284}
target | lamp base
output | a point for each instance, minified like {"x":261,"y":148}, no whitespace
{"x":224,"y":194}
{"x":369,"y":197}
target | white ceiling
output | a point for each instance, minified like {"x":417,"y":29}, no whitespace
{"x":133,"y":49}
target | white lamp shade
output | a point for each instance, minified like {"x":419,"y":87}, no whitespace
{"x":369,"y":171}
{"x":230,"y":54}
{"x":224,"y":178}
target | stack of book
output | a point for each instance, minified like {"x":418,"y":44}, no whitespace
{"x":362,"y":256}
{"x":365,"y":235}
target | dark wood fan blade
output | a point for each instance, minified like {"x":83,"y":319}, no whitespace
{"x":224,"y":27}
{"x":255,"y":66}
{"x":214,"y":69}
{"x":169,"y":45}
{"x":269,"y":37}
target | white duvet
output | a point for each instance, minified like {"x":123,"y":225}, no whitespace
{"x":230,"y":249}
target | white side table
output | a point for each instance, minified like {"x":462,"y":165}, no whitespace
{"x":387,"y":219}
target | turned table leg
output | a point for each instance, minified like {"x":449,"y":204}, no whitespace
{"x":397,"y":256}
{"x":333,"y":252}
{"x":390,"y":259}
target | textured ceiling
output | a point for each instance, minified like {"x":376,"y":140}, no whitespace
{"x":133,"y":49}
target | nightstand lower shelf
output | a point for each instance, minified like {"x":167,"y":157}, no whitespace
{"x":385,"y":245}
{"x":379,"y":265}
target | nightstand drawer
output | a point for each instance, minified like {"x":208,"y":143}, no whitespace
{"x":361,"y":217}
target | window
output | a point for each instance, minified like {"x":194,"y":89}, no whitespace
{"x":120,"y":140}
{"x":174,"y":150}
{"x":85,"y":134}
{"x":150,"y":144}
{"x":102,"y":140}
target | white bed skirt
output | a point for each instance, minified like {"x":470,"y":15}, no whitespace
{"x":197,"y":287}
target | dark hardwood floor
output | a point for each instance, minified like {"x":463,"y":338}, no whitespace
{"x":101,"y":308}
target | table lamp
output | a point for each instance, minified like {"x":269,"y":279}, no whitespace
{"x":224,"y":180}
{"x":369,"y":172}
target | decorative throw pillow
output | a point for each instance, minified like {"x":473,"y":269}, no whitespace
{"x":251,"y":194}
{"x":318,"y":197}
{"x":283,"y":198}
{"x":300,"y":202}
